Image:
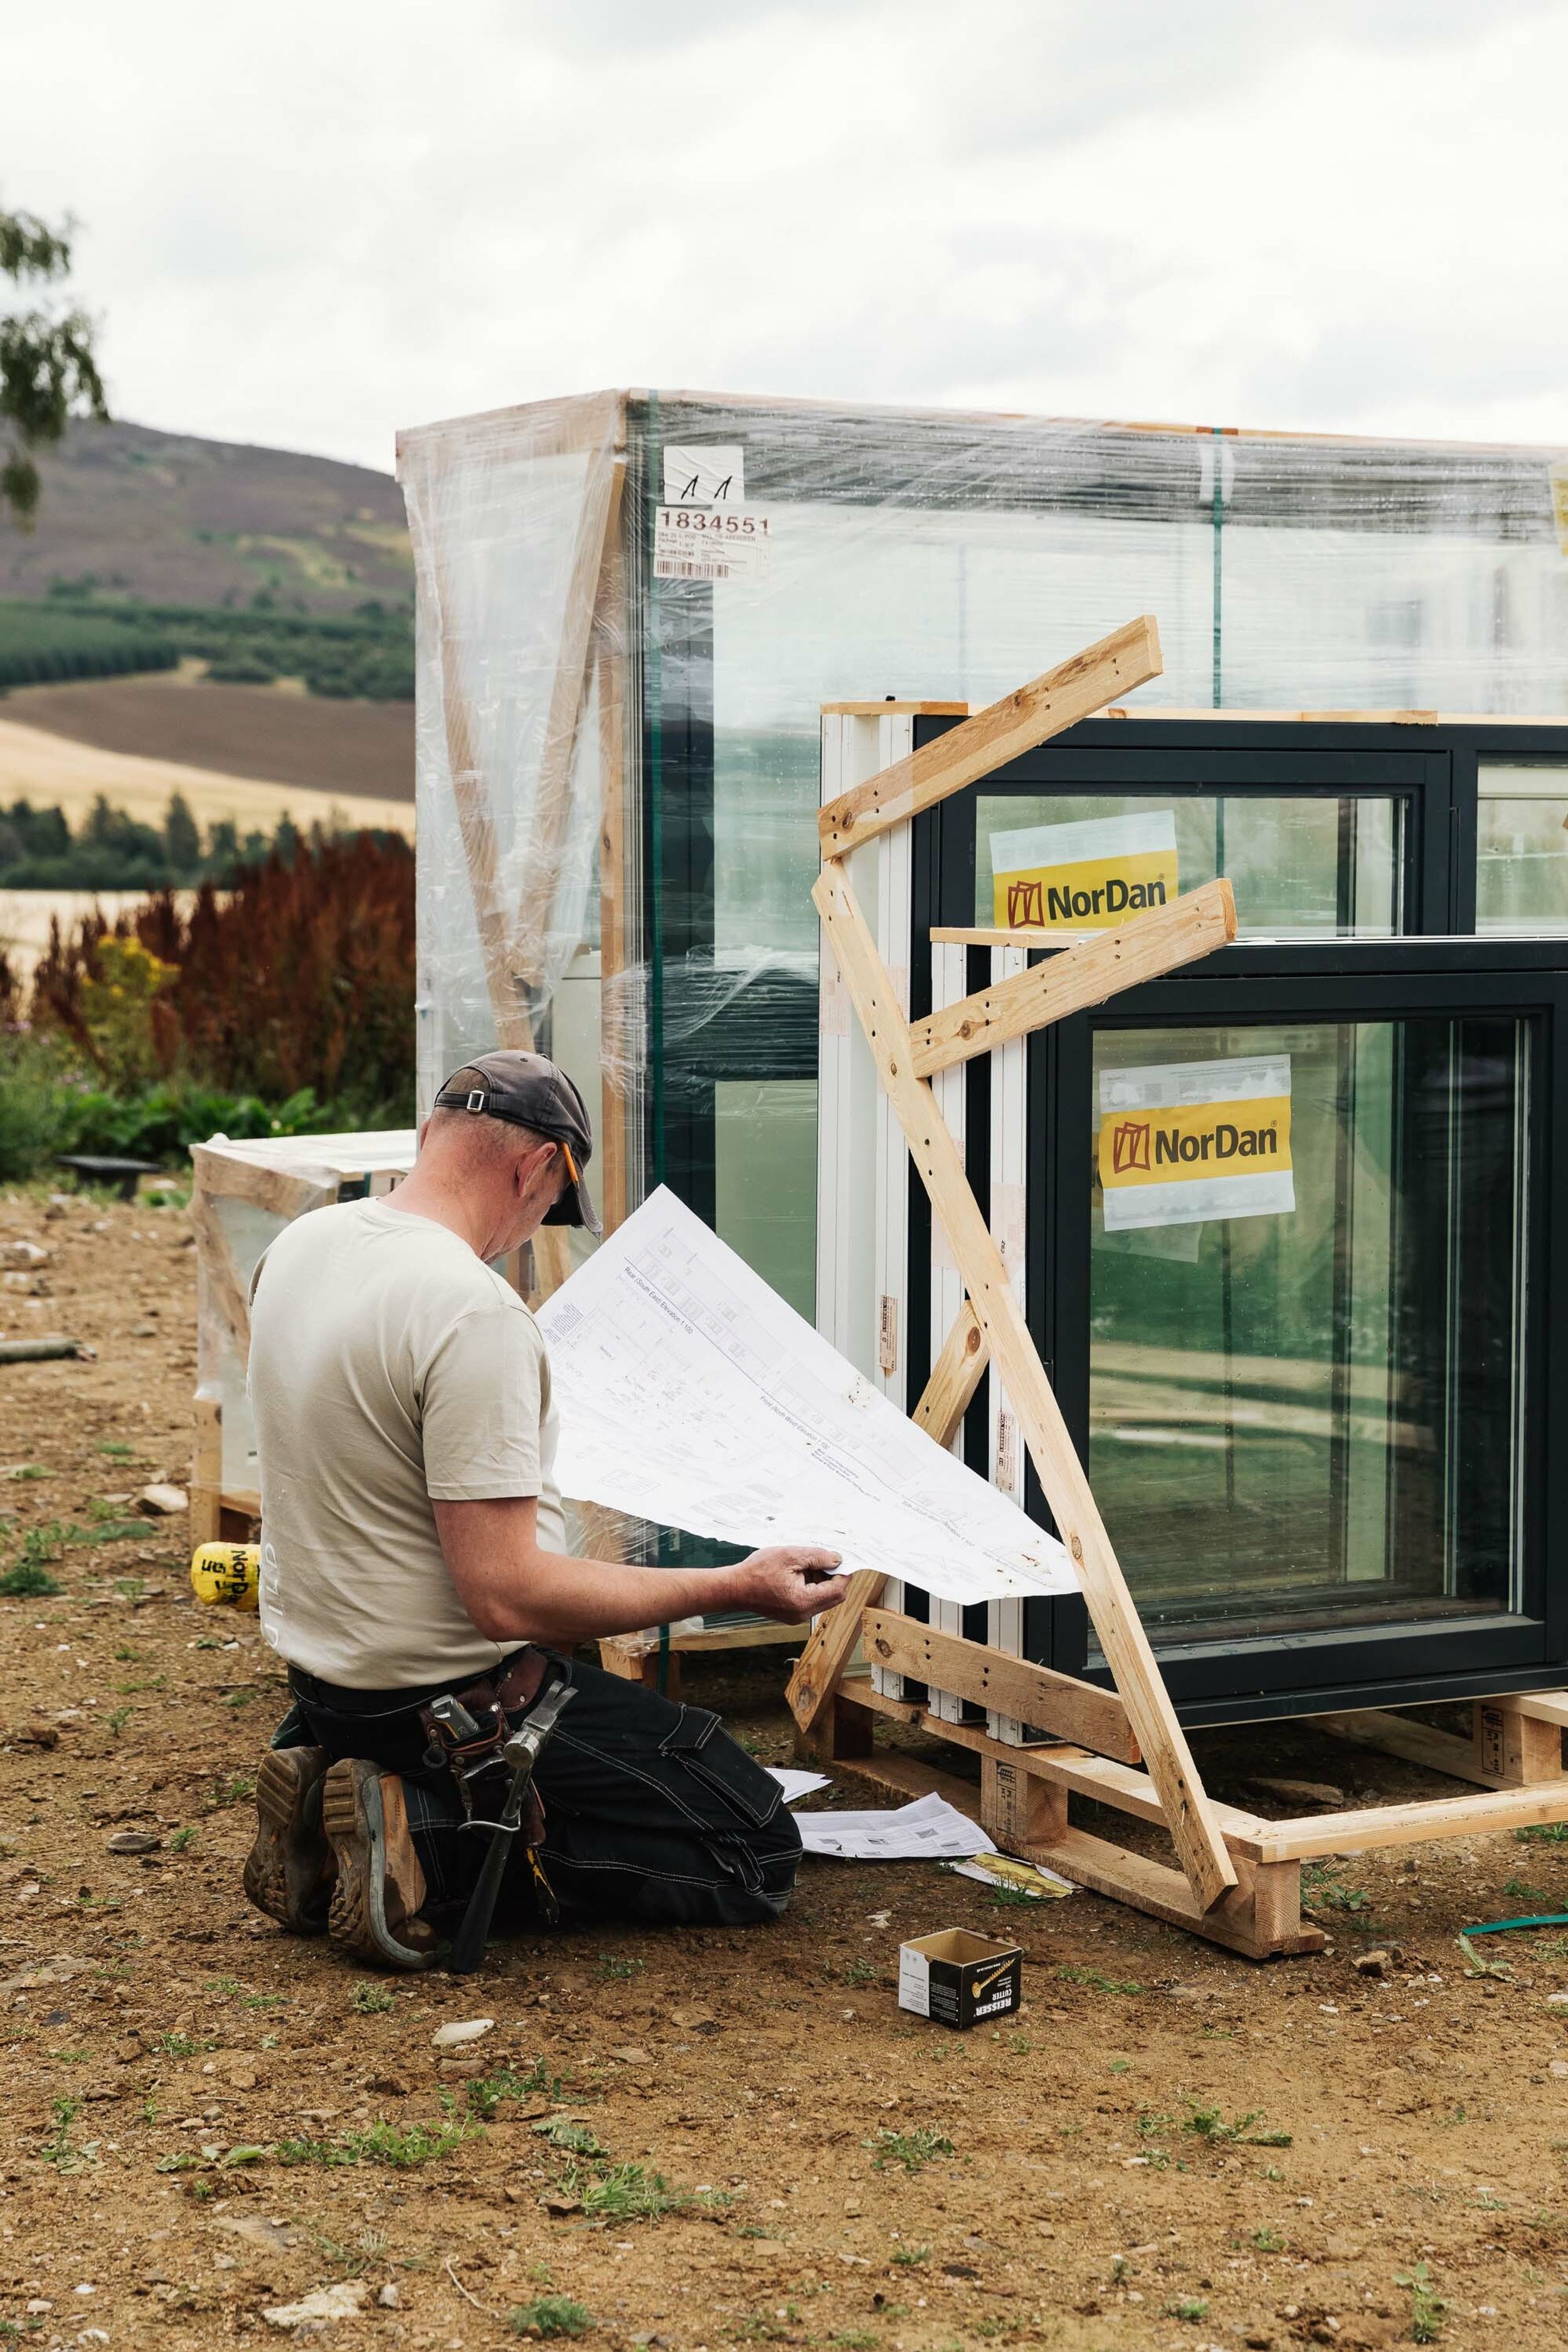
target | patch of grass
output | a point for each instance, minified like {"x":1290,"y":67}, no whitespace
{"x":617,"y":1969}
{"x":369,"y":1999}
{"x":559,"y":2131}
{"x":108,"y":1531}
{"x":182,"y":1839}
{"x":907,"y":2256}
{"x":1543,"y":1834}
{"x":1321,"y":1890}
{"x":489,"y":2092}
{"x":1209,"y":2123}
{"x":862,"y":1971}
{"x":1187,"y":2307}
{"x":59,"y":2150}
{"x":26,"y":1472}
{"x":238,"y":1698}
{"x":855,"y":2339}
{"x":28,"y":1580}
{"x":1098,"y":1983}
{"x":116,"y":1452}
{"x":382,"y":2143}
{"x":630,"y":2192}
{"x":182,"y":2045}
{"x":1269,"y":2241}
{"x":912,"y":2149}
{"x":550,"y":2315}
{"x":118,"y":1720}
{"x":1427,"y":2307}
{"x":228,"y":1789}
{"x":1520,"y":1893}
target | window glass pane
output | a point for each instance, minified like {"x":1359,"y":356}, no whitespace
{"x":1306,"y":1335}
{"x":765,"y":1175}
{"x":1521,"y":848}
{"x":1300,"y":863}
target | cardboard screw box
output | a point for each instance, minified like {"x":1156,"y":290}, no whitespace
{"x":956,"y":1977}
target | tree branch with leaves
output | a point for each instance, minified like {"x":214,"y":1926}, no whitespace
{"x":49,"y":372}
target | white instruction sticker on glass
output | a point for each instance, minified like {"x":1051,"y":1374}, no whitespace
{"x":1181,"y":1142}
{"x":705,"y":474}
{"x":710,"y":543}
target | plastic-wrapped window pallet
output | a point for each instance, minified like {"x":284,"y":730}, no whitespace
{"x":242,"y":1195}
{"x":632,"y":605}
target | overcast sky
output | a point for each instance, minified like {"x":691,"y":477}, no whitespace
{"x":310,"y":224}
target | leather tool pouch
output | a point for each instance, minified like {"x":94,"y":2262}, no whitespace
{"x":498,"y":1705}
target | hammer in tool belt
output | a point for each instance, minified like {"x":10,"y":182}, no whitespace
{"x":520,"y":1753}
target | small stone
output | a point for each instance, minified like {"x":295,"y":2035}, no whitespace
{"x":160,"y":1502}
{"x":134,"y":1842}
{"x":1559,"y":2067}
{"x":38,"y":2306}
{"x":389,"y":2299}
{"x":1373,"y":1964}
{"x":38,"y":1734}
{"x":26,"y":1255}
{"x":560,"y":2206}
{"x":851,"y":2205}
{"x":143,"y":1331}
{"x":1557,"y":2000}
{"x":631,"y":2055}
{"x":388,"y":2086}
{"x":456,"y":2036}
{"x":346,"y":2300}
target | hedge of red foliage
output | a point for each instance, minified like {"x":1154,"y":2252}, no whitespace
{"x":302,"y":974}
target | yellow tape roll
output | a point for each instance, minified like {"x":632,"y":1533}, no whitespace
{"x":227,"y":1573}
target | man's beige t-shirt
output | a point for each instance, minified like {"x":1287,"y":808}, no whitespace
{"x":389,"y":1368}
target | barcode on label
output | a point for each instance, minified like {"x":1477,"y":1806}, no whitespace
{"x":674,"y":569}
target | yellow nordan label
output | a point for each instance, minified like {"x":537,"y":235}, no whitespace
{"x":1229,"y":1139}
{"x":1181,"y":1143}
{"x":1084,"y":876}
{"x":1557,"y":475}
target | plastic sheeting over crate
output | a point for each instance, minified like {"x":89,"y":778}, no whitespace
{"x":617,"y":755}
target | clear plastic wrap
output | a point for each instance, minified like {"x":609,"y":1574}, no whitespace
{"x":618,"y":756}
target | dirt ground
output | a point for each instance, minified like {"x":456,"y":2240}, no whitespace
{"x":208,"y":2120}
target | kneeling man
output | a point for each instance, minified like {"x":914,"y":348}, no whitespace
{"x":414,"y":1554}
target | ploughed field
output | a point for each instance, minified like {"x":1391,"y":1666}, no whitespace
{"x":691,"y":2138}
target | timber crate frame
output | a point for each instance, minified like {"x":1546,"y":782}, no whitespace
{"x":1238,"y":1882}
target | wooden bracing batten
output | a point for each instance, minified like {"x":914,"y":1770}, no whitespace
{"x":1239,"y":1883}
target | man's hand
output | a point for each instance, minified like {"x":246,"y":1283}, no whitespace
{"x":788,"y":1581}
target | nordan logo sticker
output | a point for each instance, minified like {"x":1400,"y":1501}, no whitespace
{"x":1181,"y":1142}
{"x":1085,"y":877}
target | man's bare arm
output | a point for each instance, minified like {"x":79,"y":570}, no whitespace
{"x":516,"y":1591}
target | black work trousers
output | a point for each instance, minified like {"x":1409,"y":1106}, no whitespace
{"x":652,"y":1812}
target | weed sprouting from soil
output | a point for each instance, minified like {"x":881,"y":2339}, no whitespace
{"x":560,"y":2132}
{"x":1426,"y":2305}
{"x":61,"y":2151}
{"x":1543,"y":1834}
{"x":630,"y":2192}
{"x":488,"y":2092}
{"x":617,"y":1969}
{"x":25,"y":1473}
{"x":182,"y":1839}
{"x":1269,"y":2241}
{"x":228,"y":1789}
{"x":28,"y":1580}
{"x":1187,"y":2307}
{"x":550,"y":2315}
{"x":906,"y":2257}
{"x":1209,"y":2123}
{"x":182,"y":2045}
{"x":1092,"y":1978}
{"x":381,"y":2143}
{"x":369,"y":1999}
{"x":912,"y":2149}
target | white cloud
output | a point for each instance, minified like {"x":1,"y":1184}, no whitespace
{"x":311,"y":225}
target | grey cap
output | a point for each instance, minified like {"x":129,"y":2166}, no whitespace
{"x":529,"y":1091}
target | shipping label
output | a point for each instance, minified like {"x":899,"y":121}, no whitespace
{"x":692,"y":542}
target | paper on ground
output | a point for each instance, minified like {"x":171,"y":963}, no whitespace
{"x":929,"y":1830}
{"x":1031,"y":1878}
{"x":796,"y":1783}
{"x":690,"y":1394}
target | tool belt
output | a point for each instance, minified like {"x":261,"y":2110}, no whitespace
{"x":495,"y":1705}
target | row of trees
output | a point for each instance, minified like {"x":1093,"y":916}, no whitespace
{"x":113,"y":851}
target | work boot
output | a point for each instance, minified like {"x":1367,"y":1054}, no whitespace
{"x":380,"y":1885}
{"x":289,"y":1870}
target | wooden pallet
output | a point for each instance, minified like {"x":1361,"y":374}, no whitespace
{"x":1237,"y":1877}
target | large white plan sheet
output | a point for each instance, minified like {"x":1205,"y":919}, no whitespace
{"x":690,"y":1394}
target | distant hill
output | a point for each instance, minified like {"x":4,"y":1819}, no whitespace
{"x":170,"y":519}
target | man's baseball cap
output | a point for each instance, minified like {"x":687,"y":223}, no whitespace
{"x":528,"y":1091}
